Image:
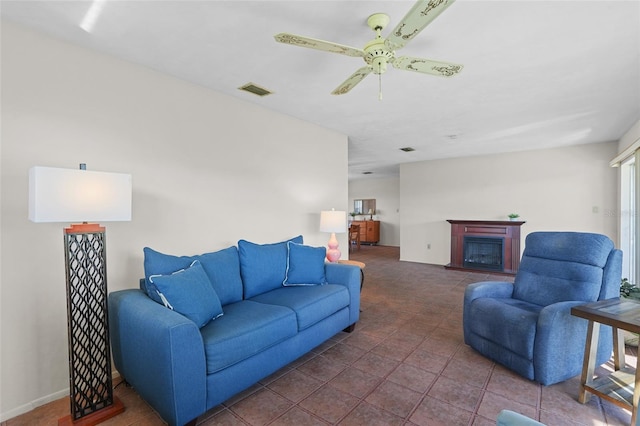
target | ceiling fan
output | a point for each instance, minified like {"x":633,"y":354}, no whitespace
{"x":380,"y":51}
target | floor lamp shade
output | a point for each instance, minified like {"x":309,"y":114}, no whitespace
{"x":68,"y":195}
{"x":333,"y":221}
{"x":64,"y":195}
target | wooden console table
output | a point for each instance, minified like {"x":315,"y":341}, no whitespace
{"x":369,"y":231}
{"x":622,"y":387}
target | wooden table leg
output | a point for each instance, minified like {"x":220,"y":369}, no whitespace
{"x":618,"y":349}
{"x":589,"y":362}
{"x":636,"y":395}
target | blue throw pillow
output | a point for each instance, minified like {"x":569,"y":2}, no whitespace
{"x":263,"y":266}
{"x":222,"y":267}
{"x":305,"y":265}
{"x":189,"y":292}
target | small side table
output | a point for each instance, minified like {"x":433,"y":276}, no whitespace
{"x":360,"y":265}
{"x":622,"y":387}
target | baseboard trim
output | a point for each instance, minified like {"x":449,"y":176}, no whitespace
{"x":41,"y":401}
{"x":33,"y":405}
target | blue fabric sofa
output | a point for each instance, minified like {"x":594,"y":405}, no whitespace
{"x":527,"y":326}
{"x":275,"y":302}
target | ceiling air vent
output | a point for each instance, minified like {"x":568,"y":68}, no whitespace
{"x":255,"y":89}
{"x":407,"y":149}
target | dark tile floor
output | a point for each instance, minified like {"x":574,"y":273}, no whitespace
{"x":405,"y":364}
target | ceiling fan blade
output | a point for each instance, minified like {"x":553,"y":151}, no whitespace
{"x":420,"y":15}
{"x":354,"y":79}
{"x":312,"y":43}
{"x":427,"y":66}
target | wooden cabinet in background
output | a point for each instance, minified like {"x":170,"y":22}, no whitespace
{"x":369,"y":231}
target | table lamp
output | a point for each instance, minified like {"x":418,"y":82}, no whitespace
{"x":333,"y":221}
{"x":67,"y":195}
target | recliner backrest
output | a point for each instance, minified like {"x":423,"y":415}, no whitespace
{"x":612,"y":276}
{"x":562,"y":266}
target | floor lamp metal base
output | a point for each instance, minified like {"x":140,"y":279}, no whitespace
{"x":91,"y":398}
{"x":96,"y":417}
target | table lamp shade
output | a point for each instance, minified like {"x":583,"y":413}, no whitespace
{"x":68,"y":195}
{"x":333,"y":221}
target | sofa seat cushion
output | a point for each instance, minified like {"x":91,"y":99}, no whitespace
{"x":245,"y":329}
{"x":310,"y":303}
{"x":509,"y":323}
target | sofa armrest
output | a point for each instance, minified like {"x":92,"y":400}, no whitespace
{"x":559,"y":332}
{"x":160,"y":353}
{"x":492,"y":289}
{"x":349,"y":276}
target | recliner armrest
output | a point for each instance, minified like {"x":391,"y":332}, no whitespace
{"x":493,"y":289}
{"x":559,"y":332}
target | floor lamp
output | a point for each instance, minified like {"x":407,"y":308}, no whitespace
{"x":333,"y":221}
{"x":67,"y":195}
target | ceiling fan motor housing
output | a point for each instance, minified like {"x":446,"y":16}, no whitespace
{"x":377,"y":55}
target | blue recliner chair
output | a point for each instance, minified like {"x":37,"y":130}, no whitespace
{"x":527,"y":326}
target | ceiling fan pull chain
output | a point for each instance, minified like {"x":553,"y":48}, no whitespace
{"x":379,"y":84}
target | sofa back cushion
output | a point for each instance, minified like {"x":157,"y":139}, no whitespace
{"x":222,"y":267}
{"x":263,"y":267}
{"x":190,"y":293}
{"x":562,"y":266}
{"x":305,"y":265}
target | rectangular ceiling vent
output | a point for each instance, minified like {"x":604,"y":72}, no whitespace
{"x":255,"y":89}
{"x":407,"y":149}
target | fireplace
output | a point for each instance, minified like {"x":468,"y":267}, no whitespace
{"x":476,"y":245}
{"x":483,"y":253}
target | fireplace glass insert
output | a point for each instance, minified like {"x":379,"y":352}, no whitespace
{"x":484,"y":253}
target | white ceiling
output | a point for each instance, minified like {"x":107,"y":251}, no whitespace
{"x":537,"y":74}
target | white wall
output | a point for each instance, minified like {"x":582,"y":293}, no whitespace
{"x":207,"y":170}
{"x":386,"y":191}
{"x":571,"y":189}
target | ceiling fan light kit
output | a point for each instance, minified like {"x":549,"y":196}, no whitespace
{"x":380,"y":51}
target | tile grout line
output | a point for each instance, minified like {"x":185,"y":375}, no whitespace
{"x":426,"y":392}
{"x":326,"y":383}
{"x":483,"y":391}
{"x":539,"y":403}
{"x":382,"y":379}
